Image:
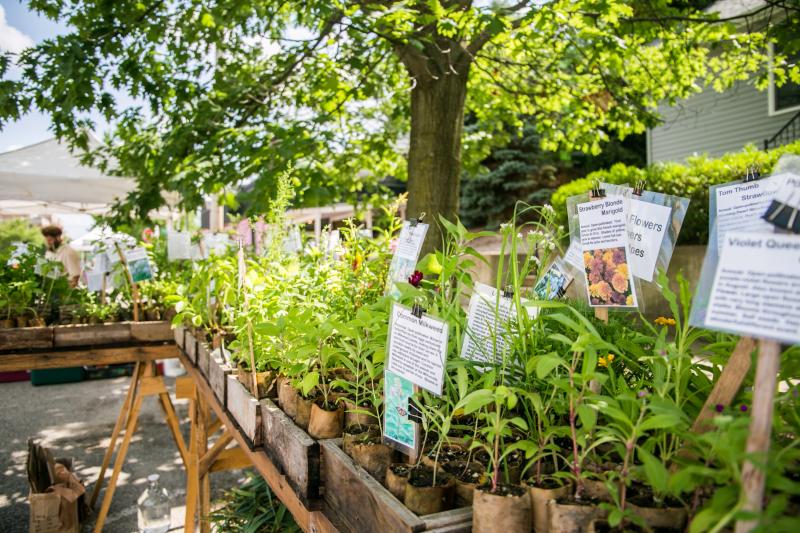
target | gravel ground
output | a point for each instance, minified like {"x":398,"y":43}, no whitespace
{"x":75,"y":420}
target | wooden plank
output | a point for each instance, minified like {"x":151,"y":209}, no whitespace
{"x":452,"y":520}
{"x":86,"y":356}
{"x":16,"y":339}
{"x":190,"y":346}
{"x":280,"y":487}
{"x":178,"y":334}
{"x":245,"y":411}
{"x":91,"y":334}
{"x":184,"y":387}
{"x":218,"y":377}
{"x":203,"y":356}
{"x":292,"y":450}
{"x":213,"y":453}
{"x":230,"y":459}
{"x":158,"y":330}
{"x":754,"y":469}
{"x":355,"y":501}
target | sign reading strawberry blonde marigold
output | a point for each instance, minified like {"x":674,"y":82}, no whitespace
{"x":608,"y":277}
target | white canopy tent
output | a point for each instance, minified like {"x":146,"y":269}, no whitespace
{"x":46,"y":178}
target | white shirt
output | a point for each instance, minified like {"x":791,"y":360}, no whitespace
{"x":68,"y":257}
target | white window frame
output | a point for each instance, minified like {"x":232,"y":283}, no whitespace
{"x":771,"y":90}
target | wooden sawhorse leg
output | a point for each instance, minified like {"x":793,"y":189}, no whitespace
{"x":145,"y":382}
{"x":202,"y":460}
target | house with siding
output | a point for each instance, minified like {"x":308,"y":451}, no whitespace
{"x":716,"y":123}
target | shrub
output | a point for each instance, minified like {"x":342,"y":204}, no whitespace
{"x":690,"y":180}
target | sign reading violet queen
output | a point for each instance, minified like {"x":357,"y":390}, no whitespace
{"x":417,"y":348}
{"x":756,"y":289}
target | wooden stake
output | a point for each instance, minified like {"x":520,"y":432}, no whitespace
{"x":754,"y":468}
{"x":601,"y":313}
{"x":252,"y":359}
{"x":728,"y":383}
{"x":134,"y":287}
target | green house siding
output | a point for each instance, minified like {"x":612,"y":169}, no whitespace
{"x":714,"y":123}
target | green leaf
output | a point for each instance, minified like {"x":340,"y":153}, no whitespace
{"x":476,"y":400}
{"x":587,"y":416}
{"x":654,"y":469}
{"x":545,"y":364}
{"x":308,"y":383}
{"x":207,"y":20}
{"x":462,"y":379}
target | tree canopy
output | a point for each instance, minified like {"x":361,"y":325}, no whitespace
{"x":349,"y":92}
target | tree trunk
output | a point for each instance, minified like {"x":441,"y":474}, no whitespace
{"x":434,"y":157}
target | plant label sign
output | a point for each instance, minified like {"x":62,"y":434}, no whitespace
{"x":554,"y":282}
{"x":756,"y":290}
{"x":398,"y":428}
{"x":417,"y":348}
{"x":604,"y":241}
{"x":573,"y":254}
{"x":490,"y":314}
{"x":741,"y":205}
{"x":647,"y":226}
{"x":138,"y":264}
{"x":406,"y":254}
{"x":216,"y":243}
{"x":179,"y":245}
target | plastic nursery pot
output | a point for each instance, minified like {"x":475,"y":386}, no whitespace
{"x":287,"y":397}
{"x":422,"y":496}
{"x":468,"y":476}
{"x":324,"y":424}
{"x":373,"y":456}
{"x":508,"y":508}
{"x":568,"y":516}
{"x":396,"y":479}
{"x":302,"y":416}
{"x":361,"y":415}
{"x":539,"y":498}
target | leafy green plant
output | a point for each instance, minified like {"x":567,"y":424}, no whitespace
{"x":252,"y":508}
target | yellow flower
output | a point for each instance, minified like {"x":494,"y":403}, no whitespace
{"x":629,"y":301}
{"x":663,"y":321}
{"x":606,"y":360}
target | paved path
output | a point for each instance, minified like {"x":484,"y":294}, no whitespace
{"x":76,"y":420}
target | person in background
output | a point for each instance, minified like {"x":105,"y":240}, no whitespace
{"x":58,"y":250}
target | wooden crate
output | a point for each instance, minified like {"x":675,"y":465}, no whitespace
{"x":92,"y":334}
{"x":218,"y":372}
{"x":178,"y":333}
{"x":203,"y":356}
{"x":355,"y":501}
{"x":17,"y":339}
{"x":190,"y":345}
{"x":245,"y":411}
{"x":292,"y":450}
{"x":153,"y":331}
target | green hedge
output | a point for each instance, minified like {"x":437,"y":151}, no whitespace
{"x":690,"y":180}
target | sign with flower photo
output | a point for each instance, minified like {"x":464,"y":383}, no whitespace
{"x":604,"y":240}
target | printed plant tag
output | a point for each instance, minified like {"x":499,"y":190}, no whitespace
{"x":740,"y":206}
{"x":292,"y":243}
{"x":138,"y":264}
{"x":647,"y":226}
{"x":573,"y":254}
{"x":409,"y":244}
{"x":488,"y":318}
{"x":604,"y":240}
{"x":179,"y":245}
{"x":756,"y":288}
{"x":94,"y":280}
{"x":554,"y":282}
{"x":398,"y":429}
{"x":417,"y":348}
{"x":216,"y":243}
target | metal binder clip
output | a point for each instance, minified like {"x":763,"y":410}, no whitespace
{"x":597,"y":192}
{"x":639,"y":189}
{"x":414,"y":414}
{"x":508,"y":292}
{"x":417,"y":310}
{"x":414,"y":221}
{"x":561,"y":292}
{"x":753,"y":173}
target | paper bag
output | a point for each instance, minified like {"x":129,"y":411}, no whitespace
{"x":56,"y":511}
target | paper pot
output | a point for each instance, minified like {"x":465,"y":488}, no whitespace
{"x":464,"y":490}
{"x":303,"y":414}
{"x":539,"y":499}
{"x":661,"y":517}
{"x":571,"y":517}
{"x":507,"y":511}
{"x":373,"y":456}
{"x":358,"y":415}
{"x":287,"y":397}
{"x":396,"y":479}
{"x":324,"y":424}
{"x":421,"y":498}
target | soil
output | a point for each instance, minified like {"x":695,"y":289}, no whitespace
{"x":326,"y":406}
{"x":422,"y":476}
{"x":546,"y":484}
{"x":584,"y":501}
{"x":463,"y":471}
{"x":503,"y":489}
{"x":642,"y":496}
{"x":400,"y":470}
{"x":357,"y":429}
{"x":449,"y":453}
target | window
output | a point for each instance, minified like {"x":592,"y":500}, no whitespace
{"x":786,"y":98}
